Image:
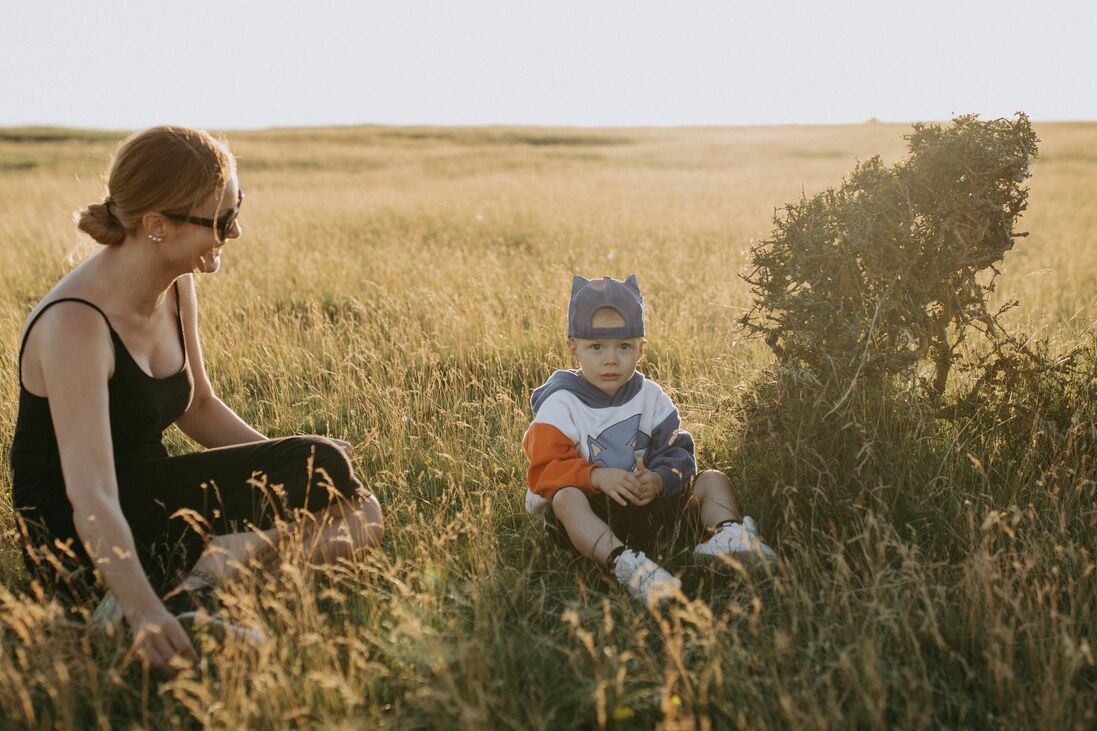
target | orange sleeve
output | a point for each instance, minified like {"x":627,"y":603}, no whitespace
{"x":554,"y":462}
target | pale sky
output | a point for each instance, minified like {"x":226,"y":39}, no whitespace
{"x":251,"y":64}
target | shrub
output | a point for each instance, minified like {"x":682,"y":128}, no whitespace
{"x":865,"y":289}
{"x":864,"y":282}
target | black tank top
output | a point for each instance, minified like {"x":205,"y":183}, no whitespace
{"x":141,"y":407}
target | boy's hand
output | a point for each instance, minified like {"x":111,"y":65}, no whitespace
{"x":651,"y":483}
{"x":621,"y":486}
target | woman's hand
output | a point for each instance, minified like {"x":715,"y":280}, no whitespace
{"x":621,"y":486}
{"x":159,"y":640}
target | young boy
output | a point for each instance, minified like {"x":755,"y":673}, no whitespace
{"x":608,"y":461}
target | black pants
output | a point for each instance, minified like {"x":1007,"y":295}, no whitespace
{"x":175,"y":505}
{"x":641,"y":527}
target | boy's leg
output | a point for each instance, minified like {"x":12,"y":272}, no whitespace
{"x":716,"y":499}
{"x":591,"y":536}
{"x":587,"y":532}
{"x":733,"y":533}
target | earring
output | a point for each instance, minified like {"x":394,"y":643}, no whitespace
{"x":156,"y":237}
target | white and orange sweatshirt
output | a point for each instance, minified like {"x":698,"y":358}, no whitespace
{"x":577,"y":428}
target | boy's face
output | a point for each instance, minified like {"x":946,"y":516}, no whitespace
{"x":607,"y":364}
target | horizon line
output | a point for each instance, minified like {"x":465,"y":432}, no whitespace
{"x":531,"y":125}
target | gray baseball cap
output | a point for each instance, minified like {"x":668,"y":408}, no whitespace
{"x":590,"y":295}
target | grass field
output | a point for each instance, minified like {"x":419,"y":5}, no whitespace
{"x":405,"y":288}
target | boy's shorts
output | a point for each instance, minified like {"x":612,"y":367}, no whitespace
{"x":641,"y":527}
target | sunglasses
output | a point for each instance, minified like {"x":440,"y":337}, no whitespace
{"x":223,"y":226}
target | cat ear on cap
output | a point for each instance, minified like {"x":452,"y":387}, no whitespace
{"x":578,"y":283}
{"x":631,"y":282}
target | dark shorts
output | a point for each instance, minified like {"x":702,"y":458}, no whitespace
{"x":175,"y":505}
{"x":664,"y":520}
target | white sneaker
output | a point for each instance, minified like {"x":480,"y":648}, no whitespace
{"x":646,"y":580}
{"x":738,"y":541}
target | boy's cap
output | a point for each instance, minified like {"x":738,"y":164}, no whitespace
{"x":590,"y":295}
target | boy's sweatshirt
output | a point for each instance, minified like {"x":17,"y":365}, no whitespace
{"x":577,"y":428}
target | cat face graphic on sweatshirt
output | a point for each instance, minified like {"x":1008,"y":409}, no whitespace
{"x":617,"y":445}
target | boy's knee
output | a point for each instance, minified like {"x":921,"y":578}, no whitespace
{"x":568,"y":500}
{"x":709,"y":478}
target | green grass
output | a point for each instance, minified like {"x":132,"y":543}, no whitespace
{"x":405,"y":289}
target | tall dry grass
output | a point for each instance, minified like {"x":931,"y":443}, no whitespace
{"x":405,"y":289}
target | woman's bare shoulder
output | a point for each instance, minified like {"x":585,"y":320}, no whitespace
{"x":67,"y":324}
{"x":75,"y":285}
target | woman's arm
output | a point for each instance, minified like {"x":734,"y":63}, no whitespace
{"x":208,"y":420}
{"x":72,"y":348}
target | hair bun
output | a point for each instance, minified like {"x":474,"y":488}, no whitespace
{"x":101,"y":224}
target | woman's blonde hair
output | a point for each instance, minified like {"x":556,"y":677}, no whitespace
{"x":164,"y":168}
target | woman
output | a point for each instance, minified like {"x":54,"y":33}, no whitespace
{"x":109,"y":359}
